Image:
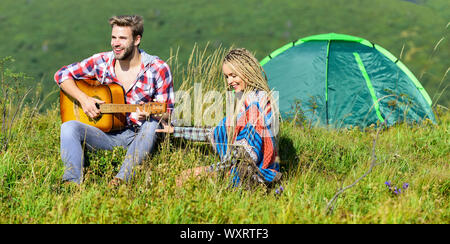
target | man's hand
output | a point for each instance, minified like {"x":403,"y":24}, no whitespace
{"x":89,"y":105}
{"x":141,"y":114}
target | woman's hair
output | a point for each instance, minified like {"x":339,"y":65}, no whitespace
{"x":136,"y":23}
{"x":250,"y":71}
{"x":247,"y":68}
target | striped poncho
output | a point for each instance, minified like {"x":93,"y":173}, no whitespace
{"x":254,"y":130}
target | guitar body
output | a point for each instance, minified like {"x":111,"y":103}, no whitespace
{"x":110,"y":94}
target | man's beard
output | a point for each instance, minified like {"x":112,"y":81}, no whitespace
{"x":126,"y":53}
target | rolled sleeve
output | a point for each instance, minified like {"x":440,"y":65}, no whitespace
{"x":85,"y":69}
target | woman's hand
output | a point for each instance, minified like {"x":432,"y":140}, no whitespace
{"x":165,"y":129}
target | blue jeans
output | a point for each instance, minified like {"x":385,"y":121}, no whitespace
{"x":76,"y":136}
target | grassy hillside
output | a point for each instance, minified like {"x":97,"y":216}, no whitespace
{"x":44,"y":35}
{"x":316,"y":163}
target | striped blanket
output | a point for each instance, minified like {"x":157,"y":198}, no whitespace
{"x":253,"y":132}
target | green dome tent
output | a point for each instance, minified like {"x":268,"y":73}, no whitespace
{"x":340,"y":80}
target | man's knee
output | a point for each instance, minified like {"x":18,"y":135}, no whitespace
{"x":148,"y":131}
{"x":149,"y":127}
{"x":70,"y":129}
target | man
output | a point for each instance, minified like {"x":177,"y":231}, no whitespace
{"x":144,"y":78}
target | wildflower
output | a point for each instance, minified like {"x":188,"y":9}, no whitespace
{"x":394,"y":189}
{"x":279,"y":190}
{"x":405,"y":186}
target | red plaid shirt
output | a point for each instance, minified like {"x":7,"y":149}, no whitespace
{"x":154,"y":82}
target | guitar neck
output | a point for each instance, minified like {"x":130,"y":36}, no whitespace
{"x":152,"y":108}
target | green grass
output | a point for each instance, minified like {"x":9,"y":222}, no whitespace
{"x":315,"y":163}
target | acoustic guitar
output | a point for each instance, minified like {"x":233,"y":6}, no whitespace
{"x":113,"y":111}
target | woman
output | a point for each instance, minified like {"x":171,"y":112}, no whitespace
{"x":245,"y":140}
